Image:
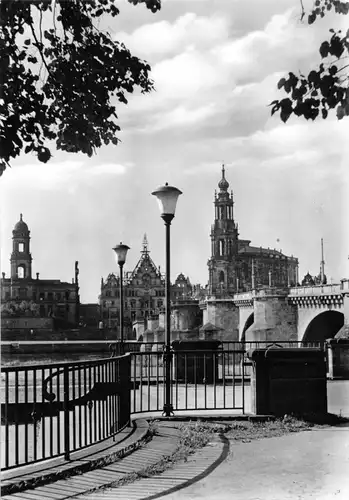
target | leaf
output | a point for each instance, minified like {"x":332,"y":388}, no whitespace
{"x":287,"y":86}
{"x":44,"y":155}
{"x":284,"y":115}
{"x":281,"y":83}
{"x":340,"y":112}
{"x":293,"y":80}
{"x":336,"y":47}
{"x":324,"y":49}
{"x":311,"y":18}
{"x":314,"y":77}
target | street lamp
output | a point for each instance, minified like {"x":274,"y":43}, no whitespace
{"x":120,"y":257}
{"x":167,"y":197}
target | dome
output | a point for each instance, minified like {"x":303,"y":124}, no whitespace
{"x":223,"y":183}
{"x":21,"y":226}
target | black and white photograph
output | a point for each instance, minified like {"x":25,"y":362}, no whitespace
{"x":174,"y":249}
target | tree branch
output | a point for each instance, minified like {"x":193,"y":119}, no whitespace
{"x":40,"y":25}
{"x":38,"y":45}
{"x":302,"y":11}
{"x":54,"y":15}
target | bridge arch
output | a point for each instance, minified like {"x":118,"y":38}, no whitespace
{"x":324,"y":326}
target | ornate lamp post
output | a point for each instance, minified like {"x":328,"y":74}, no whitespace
{"x":120,"y":257}
{"x":167,"y":197}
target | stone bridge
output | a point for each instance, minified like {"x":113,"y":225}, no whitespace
{"x":301,"y":313}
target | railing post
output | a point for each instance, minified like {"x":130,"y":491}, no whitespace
{"x":66,"y":413}
{"x":125,"y":392}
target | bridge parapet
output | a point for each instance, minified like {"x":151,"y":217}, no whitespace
{"x":318,"y":290}
{"x":244,"y":299}
{"x":324,"y":296}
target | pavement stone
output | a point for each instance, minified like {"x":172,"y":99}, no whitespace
{"x":49,"y":471}
{"x":306,"y":465}
{"x":177,"y":477}
{"x":164,"y":443}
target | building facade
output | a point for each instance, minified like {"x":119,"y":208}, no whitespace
{"x":144,"y":293}
{"x":47,"y":297}
{"x":235,"y":265}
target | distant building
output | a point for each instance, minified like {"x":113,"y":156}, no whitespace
{"x":89,"y":315}
{"x":53,"y":298}
{"x":235,"y":265}
{"x":182,"y":288}
{"x":144,"y":293}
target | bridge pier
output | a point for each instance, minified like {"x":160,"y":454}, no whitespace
{"x":274,"y":318}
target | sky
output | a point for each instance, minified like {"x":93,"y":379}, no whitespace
{"x":215,"y":64}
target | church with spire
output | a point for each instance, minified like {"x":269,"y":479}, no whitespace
{"x":235,"y":265}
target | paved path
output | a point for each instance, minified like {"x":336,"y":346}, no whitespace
{"x":310,"y":465}
{"x":180,"y":476}
{"x":164,"y":443}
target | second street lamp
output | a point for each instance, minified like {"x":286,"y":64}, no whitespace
{"x":120,"y":257}
{"x":167,"y":197}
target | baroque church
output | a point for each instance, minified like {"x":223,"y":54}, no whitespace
{"x":52,"y":298}
{"x":236,"y":266}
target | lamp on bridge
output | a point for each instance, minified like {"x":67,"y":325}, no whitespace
{"x":167,"y":197}
{"x":120,"y":257}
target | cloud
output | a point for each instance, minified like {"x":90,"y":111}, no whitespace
{"x":181,"y":116}
{"x":43,"y":176}
{"x":204,"y":71}
{"x":165,"y":38}
{"x":108,"y":169}
{"x":59,"y":175}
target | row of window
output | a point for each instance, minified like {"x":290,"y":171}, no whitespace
{"x":133,"y":304}
{"x":23,"y":294}
{"x":131,"y":293}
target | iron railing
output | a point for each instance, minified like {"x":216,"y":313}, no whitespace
{"x":201,"y":380}
{"x":55,"y":409}
{"x":133,"y":346}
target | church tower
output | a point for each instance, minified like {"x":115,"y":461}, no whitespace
{"x":224,"y":242}
{"x":21,"y":259}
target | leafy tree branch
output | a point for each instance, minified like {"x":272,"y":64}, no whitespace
{"x":72,"y":107}
{"x":325,"y":88}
